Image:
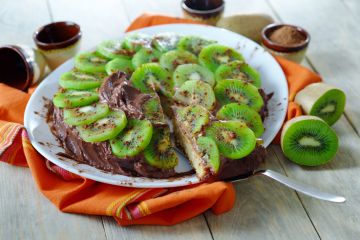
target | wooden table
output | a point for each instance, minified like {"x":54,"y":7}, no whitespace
{"x":264,"y":209}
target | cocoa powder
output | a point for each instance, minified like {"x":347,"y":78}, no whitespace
{"x":287,"y":36}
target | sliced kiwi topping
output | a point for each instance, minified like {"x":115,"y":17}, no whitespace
{"x":153,"y":111}
{"x":119,"y":64}
{"x":77,"y":80}
{"x":90,"y":63}
{"x":210,"y":152}
{"x":193,"y":118}
{"x":309,"y":141}
{"x":170,"y":60}
{"x":193,"y":44}
{"x":196,"y":92}
{"x":73,"y":98}
{"x":152,"y":77}
{"x":159,"y":153}
{"x":146,"y":55}
{"x":133,"y":140}
{"x":85,"y":115}
{"x":191,"y":71}
{"x":243,"y":113}
{"x":103,"y":129}
{"x":233,"y":90}
{"x":238,"y":70}
{"x":233,"y":138}
{"x":137,"y":41}
{"x":112,"y":49}
{"x":165,"y":42}
{"x":214,"y":55}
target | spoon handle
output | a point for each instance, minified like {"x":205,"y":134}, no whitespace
{"x":300,"y":187}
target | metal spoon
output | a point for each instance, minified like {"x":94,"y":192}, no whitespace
{"x":291,"y":183}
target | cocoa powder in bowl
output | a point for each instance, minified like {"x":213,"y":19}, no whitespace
{"x":287,"y":36}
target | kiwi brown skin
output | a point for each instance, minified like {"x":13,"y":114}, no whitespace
{"x":319,"y":96}
{"x":312,"y":158}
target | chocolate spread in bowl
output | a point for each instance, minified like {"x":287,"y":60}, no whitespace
{"x":117,"y":92}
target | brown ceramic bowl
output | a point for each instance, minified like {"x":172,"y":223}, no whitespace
{"x":206,"y":11}
{"x":292,"y":52}
{"x":58,"y":41}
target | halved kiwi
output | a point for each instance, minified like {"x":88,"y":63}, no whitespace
{"x":146,"y":55}
{"x":133,"y":139}
{"x":119,"y":64}
{"x":77,"y":80}
{"x":150,"y":77}
{"x":214,"y":55}
{"x":233,"y":90}
{"x":243,"y":113}
{"x":190,"y":71}
{"x":193,"y":44}
{"x":210,"y":152}
{"x":105,"y":128}
{"x":170,"y":60}
{"x":112,"y":49}
{"x":159,"y":152}
{"x":85,"y":115}
{"x":137,"y":41}
{"x":322,"y":100}
{"x":90,"y":63}
{"x":165,"y":42}
{"x":238,"y":70}
{"x":195,"y":92}
{"x":73,"y":98}
{"x":193,"y":118}
{"x":233,"y":138}
{"x":309,"y":141}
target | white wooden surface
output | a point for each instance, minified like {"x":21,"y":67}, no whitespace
{"x":264,"y":209}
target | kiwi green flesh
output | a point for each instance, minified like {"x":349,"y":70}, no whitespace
{"x":119,"y":64}
{"x":76,"y":80}
{"x":90,"y":63}
{"x":243,"y":113}
{"x":85,"y":115}
{"x":309,"y":142}
{"x":146,"y":55}
{"x":153,"y":111}
{"x":233,"y":138}
{"x":193,"y":44}
{"x":170,"y":60}
{"x":72,"y":99}
{"x":133,"y":140}
{"x":105,"y":128}
{"x":329,"y":106}
{"x":113,"y":49}
{"x":210,"y":152}
{"x":187,"y":72}
{"x":193,"y":118}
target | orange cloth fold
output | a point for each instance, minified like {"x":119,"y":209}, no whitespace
{"x":75,"y":194}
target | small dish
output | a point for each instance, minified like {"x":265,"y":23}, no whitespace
{"x":208,"y":12}
{"x":293,"y":52}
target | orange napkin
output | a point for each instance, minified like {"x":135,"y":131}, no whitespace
{"x":75,"y":194}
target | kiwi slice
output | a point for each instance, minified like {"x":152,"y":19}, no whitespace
{"x":105,"y":128}
{"x":134,"y":138}
{"x":151,"y":76}
{"x":170,"y":60}
{"x":322,"y":100}
{"x":119,"y":64}
{"x":210,"y":152}
{"x":77,"y":80}
{"x":233,"y":138}
{"x":112,"y":49}
{"x":73,"y":98}
{"x":195,"y":92}
{"x":191,"y":71}
{"x":233,"y":90}
{"x":137,"y":41}
{"x":153,"y":111}
{"x":193,"y":118}
{"x":159,"y":152}
{"x":309,"y":141}
{"x":193,"y":44}
{"x":90,"y":63}
{"x":85,"y":115}
{"x":243,"y":113}
{"x":214,"y":55}
{"x":165,"y":42}
{"x":238,"y":70}
{"x":146,"y":55}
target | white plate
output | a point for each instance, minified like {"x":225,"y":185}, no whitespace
{"x":272,"y":76}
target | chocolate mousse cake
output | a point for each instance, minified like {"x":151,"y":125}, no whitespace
{"x":112,"y":109}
